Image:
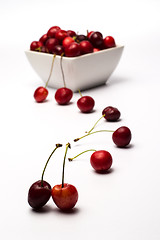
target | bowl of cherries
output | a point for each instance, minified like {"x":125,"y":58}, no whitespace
{"x":85,"y":61}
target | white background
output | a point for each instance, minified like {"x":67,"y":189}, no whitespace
{"x":124,"y":204}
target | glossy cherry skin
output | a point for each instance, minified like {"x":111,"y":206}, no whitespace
{"x":58,"y":50}
{"x":65,"y":198}
{"x":112,"y":114}
{"x":80,"y":38}
{"x":86,"y":47}
{"x":63,"y":95}
{"x":52,"y":31}
{"x":101,"y":160}
{"x":43,"y":39}
{"x":96,"y":38}
{"x":86,"y":104}
{"x":89,"y":33}
{"x":73,"y":50}
{"x":122,"y":136}
{"x":67,"y":41}
{"x":61,"y":34}
{"x":109,"y":42}
{"x":51,"y":43}
{"x":71,"y":33}
{"x":39,"y":195}
{"x":40,"y":94}
{"x":35,"y":45}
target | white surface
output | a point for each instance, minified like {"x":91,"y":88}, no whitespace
{"x":121,"y":205}
{"x":80,"y":73}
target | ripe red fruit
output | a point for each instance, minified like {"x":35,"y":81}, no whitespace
{"x":86,"y":104}
{"x":96,"y":49}
{"x":71,"y":33}
{"x":58,"y":50}
{"x":40,"y":94}
{"x":63,"y":95}
{"x":109,"y":42}
{"x":96,"y":38}
{"x":122,"y":136}
{"x":73,"y":50}
{"x":67,"y":41}
{"x":112,"y":114}
{"x":39,"y":195}
{"x":43,"y":39}
{"x":65,"y":197}
{"x":35,"y":45}
{"x":101,"y":160}
{"x":61,"y":34}
{"x":89,"y":33}
{"x":86,"y":47}
{"x":52,"y":31}
{"x":51,"y":43}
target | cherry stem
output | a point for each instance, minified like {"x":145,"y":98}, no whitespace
{"x":70,"y":159}
{"x":50,"y":70}
{"x":77,"y":139}
{"x":80,"y":93}
{"x":95,"y":124}
{"x":57,"y":146}
{"x":67,"y":146}
{"x":64,"y":82}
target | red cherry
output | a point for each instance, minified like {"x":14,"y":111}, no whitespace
{"x":109,"y":42}
{"x":112,"y":114}
{"x":39,"y":195}
{"x":40,"y":94}
{"x":122,"y":136}
{"x":51,"y":43}
{"x":35,"y":45}
{"x":52,"y":31}
{"x":67,"y":41}
{"x":63,"y":95}
{"x":96,"y":38}
{"x":73,"y":50}
{"x":71,"y":33}
{"x":96,"y":49}
{"x":86,"y":47}
{"x":61,"y":34}
{"x":101,"y":160}
{"x":86,"y":104}
{"x":58,"y":50}
{"x":89,"y":33}
{"x":43,"y":39}
{"x":65,"y":197}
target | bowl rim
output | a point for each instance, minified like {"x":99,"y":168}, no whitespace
{"x":78,"y":57}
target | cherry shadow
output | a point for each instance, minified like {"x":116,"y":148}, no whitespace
{"x":105,"y":172}
{"x":43,"y":210}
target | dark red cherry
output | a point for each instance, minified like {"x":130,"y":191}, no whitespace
{"x":86,"y":104}
{"x":51,"y":43}
{"x":63,"y":95}
{"x":109,"y":42}
{"x":43,"y":39}
{"x":86,"y":47}
{"x":122,"y":136}
{"x":73,"y":50}
{"x":101,"y":160}
{"x":112,"y":114}
{"x":71,"y":33}
{"x":39,"y":195}
{"x":35,"y":46}
{"x":60,"y":35}
{"x":96,"y":38}
{"x":52,"y":31}
{"x":58,"y":50}
{"x":40,"y":94}
{"x":80,"y":38}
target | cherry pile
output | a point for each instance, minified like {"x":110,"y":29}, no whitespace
{"x":71,"y":44}
{"x":64,"y":195}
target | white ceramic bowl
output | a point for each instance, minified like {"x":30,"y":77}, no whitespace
{"x":81,"y":72}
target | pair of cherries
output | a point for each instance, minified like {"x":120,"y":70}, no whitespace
{"x":63,"y":96}
{"x":65,"y":195}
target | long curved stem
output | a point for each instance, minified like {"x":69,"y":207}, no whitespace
{"x":50,"y":70}
{"x":57,"y":146}
{"x":70,"y":159}
{"x":96,"y":123}
{"x":77,"y":139}
{"x":67,"y":146}
{"x":64,"y":82}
